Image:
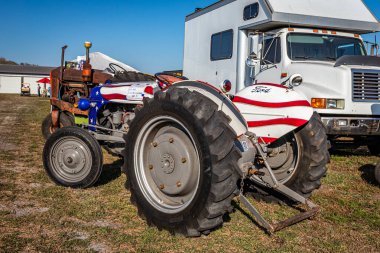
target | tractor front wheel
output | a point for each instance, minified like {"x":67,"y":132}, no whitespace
{"x":298,"y":160}
{"x":73,"y":158}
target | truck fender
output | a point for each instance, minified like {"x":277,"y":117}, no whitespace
{"x":238,"y":122}
{"x":273,"y":110}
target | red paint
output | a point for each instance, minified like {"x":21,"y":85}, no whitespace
{"x":267,"y":140}
{"x":114,"y":96}
{"x":271,"y":105}
{"x":149,"y":90}
{"x":284,"y":121}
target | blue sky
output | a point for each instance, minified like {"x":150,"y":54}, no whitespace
{"x":147,"y":34}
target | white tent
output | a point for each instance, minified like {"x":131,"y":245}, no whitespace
{"x":101,"y":61}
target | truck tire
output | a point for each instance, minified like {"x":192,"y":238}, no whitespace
{"x":65,"y":119}
{"x":304,"y":163}
{"x":377,"y":173}
{"x":73,"y":158}
{"x":181,"y":162}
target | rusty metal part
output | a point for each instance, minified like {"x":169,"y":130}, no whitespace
{"x":55,"y":119}
{"x":65,"y":106}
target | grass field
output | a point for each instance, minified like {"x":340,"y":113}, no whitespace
{"x":37,"y":216}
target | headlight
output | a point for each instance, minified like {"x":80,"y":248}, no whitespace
{"x":327,"y":103}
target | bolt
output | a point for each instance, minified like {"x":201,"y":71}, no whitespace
{"x":184,"y":160}
{"x":171,"y":140}
{"x":179,"y":184}
{"x":162,"y":187}
{"x":154,"y":144}
{"x":151,"y":167}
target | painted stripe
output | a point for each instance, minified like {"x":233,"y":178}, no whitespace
{"x":272,"y":84}
{"x":284,"y":121}
{"x":271,"y":105}
{"x":114,"y":96}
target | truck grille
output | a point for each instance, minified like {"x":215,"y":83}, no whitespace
{"x":366,"y":85}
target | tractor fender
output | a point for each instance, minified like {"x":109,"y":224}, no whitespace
{"x":273,"y":110}
{"x":238,"y":122}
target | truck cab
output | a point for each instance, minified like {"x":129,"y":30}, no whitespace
{"x":305,"y":46}
{"x":340,"y":80}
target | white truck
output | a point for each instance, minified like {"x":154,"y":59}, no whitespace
{"x":314,"y":46}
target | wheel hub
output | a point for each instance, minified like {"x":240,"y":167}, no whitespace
{"x":71,"y":159}
{"x":168,"y":164}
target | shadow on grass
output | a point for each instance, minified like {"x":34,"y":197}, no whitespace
{"x":110,"y":173}
{"x":362,"y":151}
{"x":368,"y":174}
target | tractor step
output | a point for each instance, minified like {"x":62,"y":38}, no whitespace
{"x":274,"y":227}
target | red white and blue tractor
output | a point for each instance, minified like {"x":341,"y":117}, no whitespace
{"x":189,"y":149}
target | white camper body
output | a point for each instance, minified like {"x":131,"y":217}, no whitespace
{"x":256,"y":41}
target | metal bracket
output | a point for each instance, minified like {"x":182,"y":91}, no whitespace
{"x":272,"y":183}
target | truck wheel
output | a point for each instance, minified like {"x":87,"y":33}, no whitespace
{"x":374,"y":149}
{"x":65,"y":119}
{"x":298,"y":160}
{"x":73,"y":158}
{"x":181,"y":162}
{"x":377,"y":173}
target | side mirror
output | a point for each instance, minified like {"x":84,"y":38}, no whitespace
{"x":295,"y":80}
{"x":252,"y":60}
{"x":374,"y":49}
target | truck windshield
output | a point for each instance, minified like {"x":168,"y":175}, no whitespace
{"x":322,"y":47}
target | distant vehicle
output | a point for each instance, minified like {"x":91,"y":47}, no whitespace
{"x":25,"y":89}
{"x":270,"y":41}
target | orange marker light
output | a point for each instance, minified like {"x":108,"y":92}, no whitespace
{"x":284,"y":75}
{"x":316,"y":30}
{"x":357,"y":36}
{"x":318,"y":103}
{"x":291,"y":29}
{"x":324,"y":31}
{"x":332,"y":32}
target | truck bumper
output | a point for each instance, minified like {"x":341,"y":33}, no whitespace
{"x":352,"y":126}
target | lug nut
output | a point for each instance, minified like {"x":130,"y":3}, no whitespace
{"x":179,"y":184}
{"x":154,"y":144}
{"x":184,"y":160}
{"x":171,"y":140}
{"x":151,"y":167}
{"x":162,"y":187}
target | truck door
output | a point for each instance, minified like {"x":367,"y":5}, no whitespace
{"x":269,"y":60}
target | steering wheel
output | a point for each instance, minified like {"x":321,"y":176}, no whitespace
{"x":113,"y":67}
{"x":167,"y":79}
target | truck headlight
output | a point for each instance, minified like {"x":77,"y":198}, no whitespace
{"x":327,"y":103}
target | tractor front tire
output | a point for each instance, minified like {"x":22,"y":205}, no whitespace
{"x":73,"y":158}
{"x":181,"y":162}
{"x":65,"y":119}
{"x":302,"y":166}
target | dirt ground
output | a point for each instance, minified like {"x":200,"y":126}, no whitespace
{"x":38,"y":216}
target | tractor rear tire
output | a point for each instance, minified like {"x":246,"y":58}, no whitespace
{"x":65,"y":119}
{"x":181,"y":162}
{"x":73,"y":158}
{"x":311,"y":157}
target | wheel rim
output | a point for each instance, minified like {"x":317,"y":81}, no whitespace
{"x":284,"y":158}
{"x":166,"y":164}
{"x":71,"y":159}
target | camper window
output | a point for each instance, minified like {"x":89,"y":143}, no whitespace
{"x":273,"y":51}
{"x":251,"y":11}
{"x":221,"y":45}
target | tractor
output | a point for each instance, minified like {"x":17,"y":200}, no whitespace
{"x":189,"y":148}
